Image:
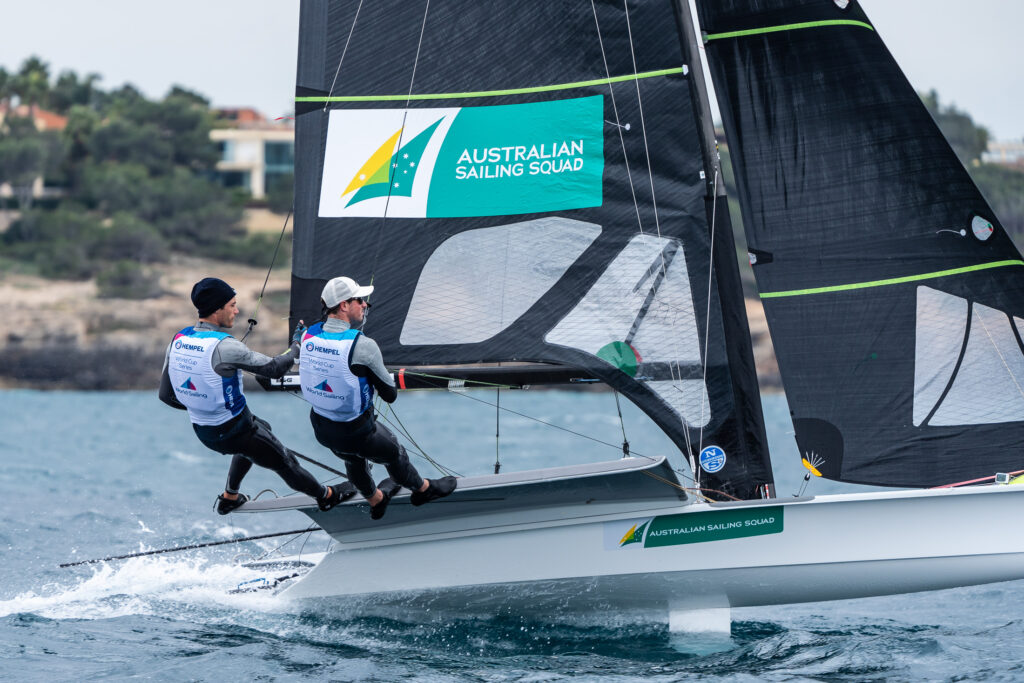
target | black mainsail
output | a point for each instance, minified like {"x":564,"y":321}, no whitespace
{"x":893,"y":294}
{"x":530,"y":181}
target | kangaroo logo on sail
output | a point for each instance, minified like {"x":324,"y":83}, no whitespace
{"x":468,"y":161}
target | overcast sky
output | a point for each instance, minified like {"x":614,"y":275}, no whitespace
{"x":242,"y":52}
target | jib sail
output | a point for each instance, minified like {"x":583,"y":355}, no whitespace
{"x":893,"y":294}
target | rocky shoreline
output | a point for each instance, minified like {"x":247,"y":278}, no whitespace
{"x":57,"y":334}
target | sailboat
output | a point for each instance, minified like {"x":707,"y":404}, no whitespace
{"x":537,"y":185}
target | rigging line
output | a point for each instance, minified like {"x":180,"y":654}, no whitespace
{"x":273,"y":259}
{"x":392,"y":171}
{"x":192,"y":546}
{"x":312,"y":527}
{"x":707,"y":315}
{"x":497,"y":431}
{"x":419,"y":449}
{"x":654,"y":203}
{"x":643,"y":126}
{"x":697,"y":491}
{"x":344,"y":50}
{"x":564,"y":429}
{"x":618,"y":121}
{"x":622,"y":423}
{"x":318,"y":464}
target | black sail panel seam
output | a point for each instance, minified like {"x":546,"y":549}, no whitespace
{"x":660,"y":271}
{"x":956,"y":368}
{"x":1016,"y":333}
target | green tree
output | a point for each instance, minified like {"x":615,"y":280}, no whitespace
{"x":69,"y":91}
{"x":967,"y":139}
{"x":5,"y":86}
{"x":32,"y":82}
{"x":22,"y":160}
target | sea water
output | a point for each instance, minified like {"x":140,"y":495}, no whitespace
{"x":88,"y":475}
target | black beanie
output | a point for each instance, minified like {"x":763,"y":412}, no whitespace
{"x":210,"y":294}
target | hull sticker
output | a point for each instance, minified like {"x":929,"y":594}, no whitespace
{"x":693,"y":527}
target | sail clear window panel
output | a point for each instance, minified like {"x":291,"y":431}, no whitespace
{"x":616,"y":309}
{"x":478,"y":282}
{"x":640,"y":302}
{"x":687,"y":398}
{"x":939,"y":336}
{"x":989,"y":385}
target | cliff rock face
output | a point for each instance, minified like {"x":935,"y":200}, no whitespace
{"x":57,"y":334}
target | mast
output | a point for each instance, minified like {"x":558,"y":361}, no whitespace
{"x":756,"y":460}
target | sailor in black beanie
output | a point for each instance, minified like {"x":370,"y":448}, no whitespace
{"x":203,"y":375}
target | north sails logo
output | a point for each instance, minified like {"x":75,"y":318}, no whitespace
{"x":388,"y":172}
{"x":324,"y":386}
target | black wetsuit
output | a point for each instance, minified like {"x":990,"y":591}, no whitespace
{"x":363,"y":440}
{"x":246,"y":437}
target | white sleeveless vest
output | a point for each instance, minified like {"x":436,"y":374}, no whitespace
{"x":327,"y":380}
{"x":209,"y":398}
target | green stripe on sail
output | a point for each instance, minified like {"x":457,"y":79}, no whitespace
{"x":891,"y":281}
{"x":492,"y":93}
{"x":788,"y":27}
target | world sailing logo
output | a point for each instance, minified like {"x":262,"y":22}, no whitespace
{"x":325,"y":387}
{"x":469,"y":161}
{"x":188,"y":385}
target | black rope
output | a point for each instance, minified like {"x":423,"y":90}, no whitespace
{"x":252,"y":321}
{"x":497,"y":431}
{"x":318,"y":464}
{"x":188,"y":547}
{"x":622,"y":423}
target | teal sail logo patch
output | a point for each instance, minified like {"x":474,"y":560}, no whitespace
{"x":469,"y":161}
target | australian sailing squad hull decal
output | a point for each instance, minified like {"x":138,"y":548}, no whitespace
{"x":696,"y":527}
{"x":468,"y":161}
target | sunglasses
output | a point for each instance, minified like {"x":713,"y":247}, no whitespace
{"x":358,"y":299}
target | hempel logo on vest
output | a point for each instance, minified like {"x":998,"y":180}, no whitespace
{"x":310,"y":346}
{"x":696,"y":527}
{"x":188,"y":347}
{"x":469,"y":161}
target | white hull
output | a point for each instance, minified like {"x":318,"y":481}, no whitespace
{"x":569,"y":557}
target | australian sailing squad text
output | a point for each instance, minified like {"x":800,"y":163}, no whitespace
{"x":724,"y":526}
{"x":503,"y":162}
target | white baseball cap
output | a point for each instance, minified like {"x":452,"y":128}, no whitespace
{"x":342,"y":289}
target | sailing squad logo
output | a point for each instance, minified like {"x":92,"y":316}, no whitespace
{"x":693,"y":527}
{"x":469,"y":161}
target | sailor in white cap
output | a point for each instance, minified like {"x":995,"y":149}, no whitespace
{"x":340,"y":370}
